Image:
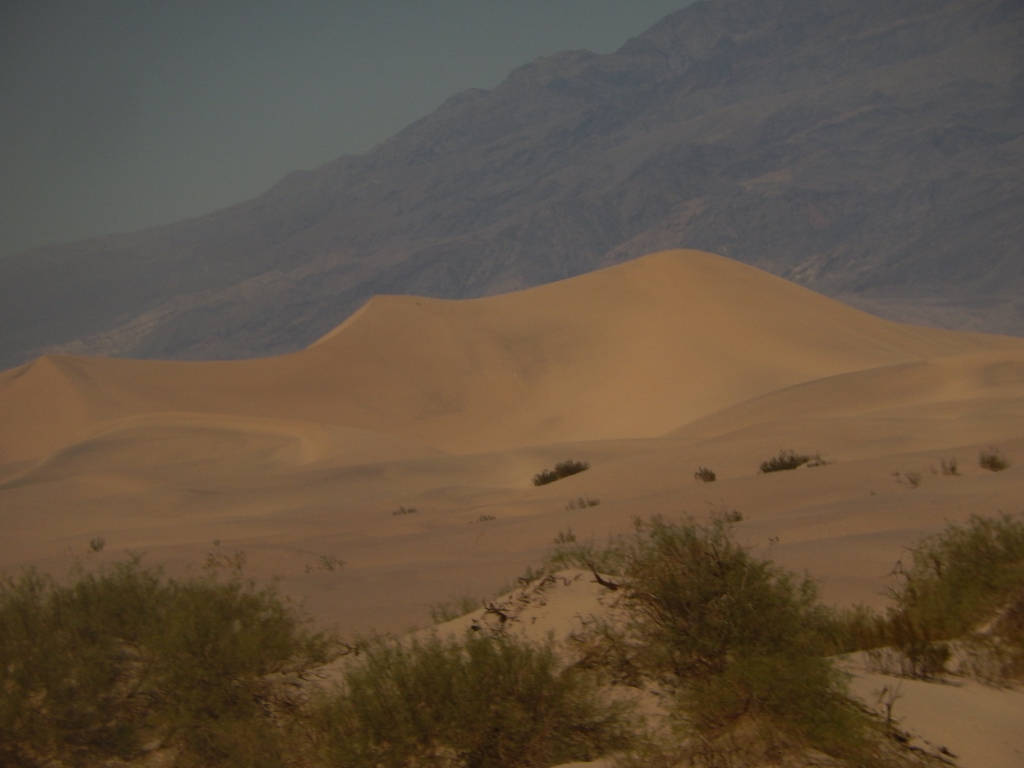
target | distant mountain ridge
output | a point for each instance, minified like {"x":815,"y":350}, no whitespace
{"x":873,"y":151}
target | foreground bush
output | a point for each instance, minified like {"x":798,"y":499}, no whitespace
{"x":481,"y":702}
{"x":736,"y":637}
{"x":125,"y":661}
{"x":961,"y":577}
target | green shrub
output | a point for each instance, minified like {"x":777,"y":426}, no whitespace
{"x":562,"y":469}
{"x":790,"y":460}
{"x":118,"y":661}
{"x":736,"y":638}
{"x":480,"y":702}
{"x":958,"y":578}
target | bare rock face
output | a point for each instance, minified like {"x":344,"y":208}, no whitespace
{"x":872,"y":150}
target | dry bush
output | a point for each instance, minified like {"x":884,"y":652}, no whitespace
{"x":121,"y":662}
{"x":481,"y":702}
{"x":958,"y":579}
{"x":791,"y":460}
{"x":562,"y":469}
{"x":993,"y":460}
{"x":705,"y":475}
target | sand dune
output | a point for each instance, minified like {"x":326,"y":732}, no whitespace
{"x":647,"y":370}
{"x":629,"y":351}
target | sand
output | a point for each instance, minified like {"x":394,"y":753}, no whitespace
{"x":647,"y":370}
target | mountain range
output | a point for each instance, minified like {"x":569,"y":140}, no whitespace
{"x":872,"y":150}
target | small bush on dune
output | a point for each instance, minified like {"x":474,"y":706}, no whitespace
{"x":562,"y":469}
{"x":581,"y":502}
{"x":993,"y":460}
{"x":705,"y":475}
{"x":484,"y":701}
{"x":790,"y":460}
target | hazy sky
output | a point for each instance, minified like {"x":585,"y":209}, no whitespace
{"x":120,"y":114}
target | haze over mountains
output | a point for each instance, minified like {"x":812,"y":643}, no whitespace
{"x":871,"y":150}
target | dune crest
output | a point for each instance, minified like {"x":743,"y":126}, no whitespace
{"x":626,"y":352}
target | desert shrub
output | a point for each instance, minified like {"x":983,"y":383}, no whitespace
{"x":115,"y":662}
{"x":704,"y":475}
{"x":993,"y":460}
{"x":950,"y":467}
{"x":562,"y":469}
{"x":958,"y":578}
{"x":405,"y":511}
{"x":790,"y":460}
{"x":581,"y":502}
{"x":856,"y":628}
{"x":1008,"y":629}
{"x":736,"y":638}
{"x":479,"y":702}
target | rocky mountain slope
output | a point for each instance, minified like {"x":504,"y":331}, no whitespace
{"x":872,"y":150}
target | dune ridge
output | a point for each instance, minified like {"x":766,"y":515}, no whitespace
{"x":627,"y":352}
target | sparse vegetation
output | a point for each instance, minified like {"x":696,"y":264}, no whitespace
{"x":581,"y":502}
{"x":219,"y":559}
{"x":485,"y":518}
{"x":959,"y":578}
{"x":950,"y":467}
{"x":791,"y":460}
{"x":326,"y":563}
{"x":405,"y":511}
{"x":738,"y":639}
{"x":485,"y":701}
{"x":960,"y":603}
{"x":562,"y":469}
{"x":125,"y":661}
{"x":993,"y":460}
{"x":705,"y":475}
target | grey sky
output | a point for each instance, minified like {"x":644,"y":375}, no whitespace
{"x":120,"y":114}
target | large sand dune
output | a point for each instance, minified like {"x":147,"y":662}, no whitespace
{"x":647,"y":370}
{"x":630,"y":351}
